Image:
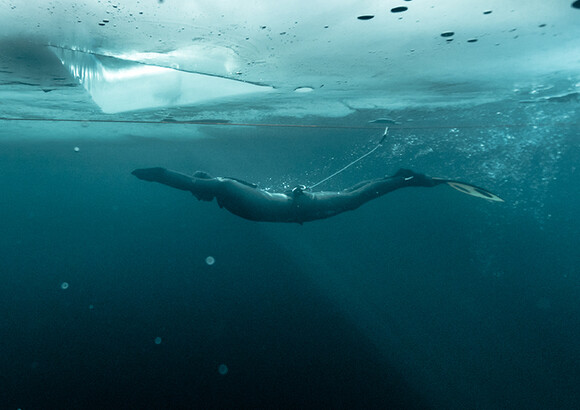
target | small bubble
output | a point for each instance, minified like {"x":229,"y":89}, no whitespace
{"x":157,"y":340}
{"x":76,"y":149}
{"x":210,"y":260}
{"x":91,"y":307}
{"x":223,"y":369}
{"x":366,"y":17}
{"x":64,"y":285}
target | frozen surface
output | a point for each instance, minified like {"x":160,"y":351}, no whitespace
{"x":435,"y":52}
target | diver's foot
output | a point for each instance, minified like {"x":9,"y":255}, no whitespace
{"x":415,"y":179}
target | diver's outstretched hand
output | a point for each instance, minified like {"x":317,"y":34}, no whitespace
{"x":150,"y":174}
{"x":166,"y":177}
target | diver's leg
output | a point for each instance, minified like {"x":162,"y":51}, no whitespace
{"x":355,"y":187}
{"x":366,"y":191}
{"x":415,"y":179}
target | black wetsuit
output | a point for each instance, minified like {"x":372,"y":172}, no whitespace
{"x":299,"y":205}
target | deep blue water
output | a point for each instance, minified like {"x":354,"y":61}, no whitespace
{"x":425,"y":298}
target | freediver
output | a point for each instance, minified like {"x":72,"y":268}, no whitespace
{"x":298,"y":205}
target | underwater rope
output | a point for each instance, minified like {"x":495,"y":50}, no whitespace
{"x":203,"y":122}
{"x":280,"y":125}
{"x":355,"y":161}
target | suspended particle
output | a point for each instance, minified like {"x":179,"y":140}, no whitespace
{"x":447,"y":34}
{"x":157,"y":340}
{"x":223,"y":369}
{"x":366,"y":17}
{"x":399,"y":9}
{"x":76,"y":149}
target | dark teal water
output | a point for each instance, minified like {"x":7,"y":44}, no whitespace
{"x":425,"y":298}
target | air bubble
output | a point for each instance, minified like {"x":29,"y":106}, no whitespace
{"x":64,"y":285}
{"x":210,"y":260}
{"x":223,"y":369}
{"x":157,"y":340}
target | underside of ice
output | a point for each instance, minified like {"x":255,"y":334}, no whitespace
{"x":351,"y":55}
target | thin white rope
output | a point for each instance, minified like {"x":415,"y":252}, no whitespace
{"x":355,"y":161}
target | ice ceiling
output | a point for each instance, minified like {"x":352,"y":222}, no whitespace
{"x":297,"y":58}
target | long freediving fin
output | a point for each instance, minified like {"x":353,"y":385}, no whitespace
{"x":470,"y":189}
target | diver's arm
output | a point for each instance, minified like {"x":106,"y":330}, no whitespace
{"x":167,"y":177}
{"x":201,"y":185}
